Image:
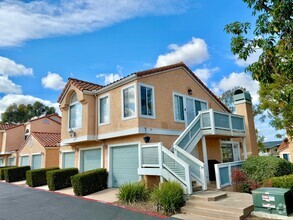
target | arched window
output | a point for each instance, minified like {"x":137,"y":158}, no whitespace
{"x":75,"y":112}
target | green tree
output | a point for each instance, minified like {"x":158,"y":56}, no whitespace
{"x":22,"y":113}
{"x":273,"y":36}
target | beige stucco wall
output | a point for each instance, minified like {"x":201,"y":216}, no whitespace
{"x":1,"y":140}
{"x":44,"y":125}
{"x":288,"y":150}
{"x":52,"y":157}
{"x":14,"y":138}
{"x":245,"y":109}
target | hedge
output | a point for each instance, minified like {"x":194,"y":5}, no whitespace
{"x":281,"y":182}
{"x":59,"y":179}
{"x":89,"y":182}
{"x":13,"y":174}
{"x":261,"y":168}
{"x":2,"y":177}
{"x":38,"y":177}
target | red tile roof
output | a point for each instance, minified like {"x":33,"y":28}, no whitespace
{"x":80,"y":85}
{"x":47,"y":139}
{"x":7,"y":126}
{"x":284,"y":145}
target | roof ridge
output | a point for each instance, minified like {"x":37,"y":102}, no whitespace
{"x":80,"y":80}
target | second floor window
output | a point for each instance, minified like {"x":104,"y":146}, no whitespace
{"x":179,"y":108}
{"x":129,"y":110}
{"x":104,"y":110}
{"x":75,"y":113}
{"x":147,"y":102}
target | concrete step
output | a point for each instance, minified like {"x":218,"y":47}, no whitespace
{"x":202,"y":213}
{"x":209,"y":196}
{"x":191,"y":216}
{"x":225,"y":206}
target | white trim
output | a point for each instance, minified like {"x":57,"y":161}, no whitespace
{"x":138,"y":130}
{"x":110,"y":147}
{"x":66,"y":142}
{"x":61,"y":155}
{"x":135,"y":101}
{"x":23,"y":155}
{"x":90,"y":148}
{"x":153,"y":101}
{"x":232,"y":143}
{"x":35,"y":154}
{"x":289,"y":156}
{"x":109,"y":109}
{"x":174,"y":109}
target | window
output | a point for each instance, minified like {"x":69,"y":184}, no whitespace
{"x":227,"y":153}
{"x":27,"y":133}
{"x":75,"y":111}
{"x":104,"y":110}
{"x":286,"y":157}
{"x":129,"y":110}
{"x":179,"y":108}
{"x":11,"y":161}
{"x":147,"y":103}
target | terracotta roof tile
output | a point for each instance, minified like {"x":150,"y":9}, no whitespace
{"x":7,"y":126}
{"x":47,"y":139}
{"x":284,"y":145}
{"x":80,"y":85}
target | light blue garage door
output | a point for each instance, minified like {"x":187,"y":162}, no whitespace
{"x":90,"y":159}
{"x":124,"y":163}
{"x":24,"y":160}
{"x":68,"y":160}
{"x":36,"y":161}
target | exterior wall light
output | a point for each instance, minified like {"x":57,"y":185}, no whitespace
{"x":72,"y":133}
{"x":189,"y":91}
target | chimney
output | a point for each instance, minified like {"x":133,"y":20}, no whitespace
{"x":242,"y":101}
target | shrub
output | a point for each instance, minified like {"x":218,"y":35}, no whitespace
{"x":37,"y":177}
{"x":133,"y":192}
{"x":281,"y":182}
{"x":259,"y":169}
{"x":89,"y":182}
{"x":13,"y":174}
{"x":2,"y":177}
{"x":169,"y":196}
{"x":239,"y":181}
{"x":59,"y":179}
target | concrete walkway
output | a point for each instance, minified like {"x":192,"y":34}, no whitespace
{"x":25,"y":203}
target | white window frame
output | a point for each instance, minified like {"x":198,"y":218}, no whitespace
{"x":231,"y":142}
{"x":122,"y":102}
{"x":69,"y":113}
{"x":184,"y":105}
{"x":23,"y":155}
{"x":91,"y":148}
{"x":153,"y":101}
{"x":289,"y":156}
{"x":3,"y":159}
{"x":14,"y":161}
{"x":99,"y":110}
{"x":62,"y":154}
{"x":109,"y":158}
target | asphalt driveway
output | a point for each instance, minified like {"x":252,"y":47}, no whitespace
{"x":25,"y":203}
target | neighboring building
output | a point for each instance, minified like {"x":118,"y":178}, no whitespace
{"x":286,"y":149}
{"x":107,"y":126}
{"x":40,"y":150}
{"x":271,"y":148}
{"x":12,"y":137}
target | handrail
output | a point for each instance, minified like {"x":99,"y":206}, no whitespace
{"x":196,"y":166}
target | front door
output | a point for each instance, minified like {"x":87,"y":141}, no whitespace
{"x":236,"y":152}
{"x":190,"y":110}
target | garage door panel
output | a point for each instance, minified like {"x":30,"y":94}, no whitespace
{"x":68,"y":160}
{"x":124,"y":164}
{"x":24,"y":160}
{"x":90,"y":159}
{"x":36,"y":161}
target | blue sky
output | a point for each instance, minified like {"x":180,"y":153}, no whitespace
{"x":42,"y":43}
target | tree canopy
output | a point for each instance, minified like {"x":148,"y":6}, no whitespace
{"x":273,"y":70}
{"x":23,"y":113}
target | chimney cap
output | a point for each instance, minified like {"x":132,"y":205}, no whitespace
{"x":241,"y":95}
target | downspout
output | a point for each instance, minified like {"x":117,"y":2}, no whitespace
{"x":96,"y":116}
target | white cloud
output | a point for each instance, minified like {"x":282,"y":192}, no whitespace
{"x":53,"y":81}
{"x":11,"y":68}
{"x":21,"y":21}
{"x":238,"y":79}
{"x":191,"y":53}
{"x":205,"y":73}
{"x":24,"y":99}
{"x":265,"y":129}
{"x":250,"y":60}
{"x":7,"y":86}
{"x":109,"y":78}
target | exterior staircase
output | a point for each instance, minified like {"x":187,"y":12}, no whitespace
{"x":209,"y":205}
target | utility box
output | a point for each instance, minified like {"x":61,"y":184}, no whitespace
{"x":273,"y":200}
